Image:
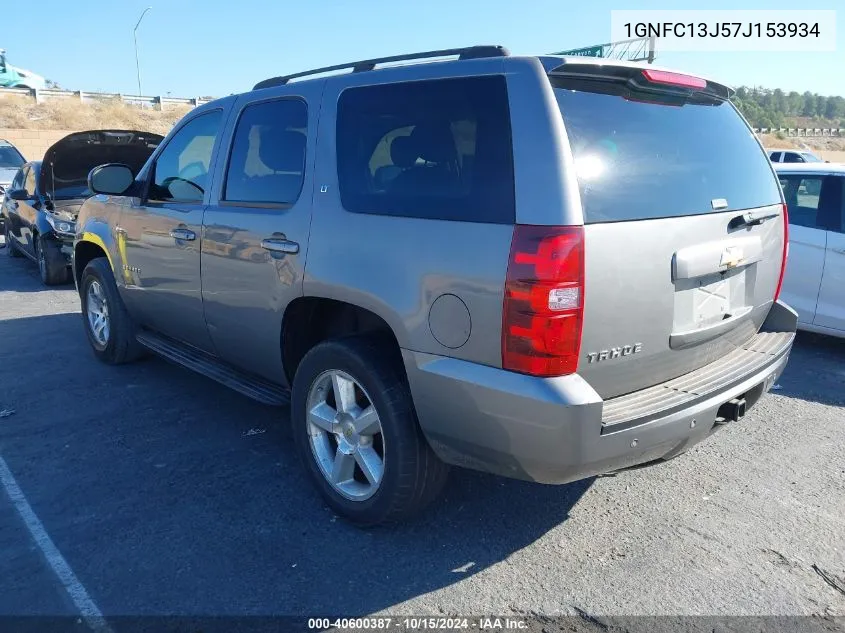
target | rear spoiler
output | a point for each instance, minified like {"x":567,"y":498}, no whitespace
{"x":645,"y":78}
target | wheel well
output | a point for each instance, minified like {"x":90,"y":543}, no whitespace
{"x":311,"y":320}
{"x":82,"y":255}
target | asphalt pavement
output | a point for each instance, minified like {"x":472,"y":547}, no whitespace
{"x":168,"y":494}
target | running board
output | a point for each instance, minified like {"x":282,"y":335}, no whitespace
{"x":249,"y":385}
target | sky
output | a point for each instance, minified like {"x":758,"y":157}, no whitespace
{"x":193,"y":48}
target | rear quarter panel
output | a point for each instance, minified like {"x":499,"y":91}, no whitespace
{"x":397,"y":267}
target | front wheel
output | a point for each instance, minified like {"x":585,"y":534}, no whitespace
{"x":110,"y":329}
{"x":357,"y":434}
{"x":52,"y":265}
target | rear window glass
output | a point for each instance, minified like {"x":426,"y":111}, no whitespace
{"x":638,"y":160}
{"x":435,"y":149}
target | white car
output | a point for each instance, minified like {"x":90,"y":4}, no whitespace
{"x":814,"y":284}
{"x":793,"y":156}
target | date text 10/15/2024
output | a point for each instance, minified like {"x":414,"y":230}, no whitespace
{"x":419,"y":624}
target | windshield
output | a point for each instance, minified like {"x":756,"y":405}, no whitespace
{"x":811,"y":158}
{"x":10,"y":158}
{"x":641,"y":156}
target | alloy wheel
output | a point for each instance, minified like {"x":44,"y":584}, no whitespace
{"x":345,"y":434}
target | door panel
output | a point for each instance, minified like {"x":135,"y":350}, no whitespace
{"x":255,"y":236}
{"x":814,"y":202}
{"x":160,"y":235}
{"x":26,"y":212}
{"x":12,"y":206}
{"x":831,"y":309}
{"x":804,"y":270}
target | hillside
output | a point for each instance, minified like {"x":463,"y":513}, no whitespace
{"x":767,"y":108}
{"x":61,"y":114}
{"x":763,"y":108}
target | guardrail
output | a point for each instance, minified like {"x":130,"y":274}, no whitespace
{"x":802,"y":131}
{"x":157,"y":102}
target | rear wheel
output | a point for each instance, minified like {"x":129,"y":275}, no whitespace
{"x":357,"y":433}
{"x":52,"y":265}
{"x":11,"y":247}
{"x":110,"y":329}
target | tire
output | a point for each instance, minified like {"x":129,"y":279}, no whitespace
{"x":412,"y":475}
{"x":119,"y":344}
{"x":52,"y":266}
{"x":11,"y":247}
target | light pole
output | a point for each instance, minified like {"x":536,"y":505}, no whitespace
{"x":135,"y":37}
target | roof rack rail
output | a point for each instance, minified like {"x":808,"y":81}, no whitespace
{"x":469,"y":52}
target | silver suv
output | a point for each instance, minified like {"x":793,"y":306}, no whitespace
{"x":540,"y":267}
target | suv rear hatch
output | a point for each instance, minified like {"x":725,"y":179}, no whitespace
{"x":684,"y":223}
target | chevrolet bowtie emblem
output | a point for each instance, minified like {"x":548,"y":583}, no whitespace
{"x":731,"y":257}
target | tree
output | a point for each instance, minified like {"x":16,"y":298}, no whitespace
{"x":779,"y":101}
{"x":795,"y":103}
{"x":821,"y":105}
{"x":809,"y":106}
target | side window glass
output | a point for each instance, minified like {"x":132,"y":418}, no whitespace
{"x":267,"y":162}
{"x":180,"y":173}
{"x":29,"y":182}
{"x":17,"y":183}
{"x":774,"y":157}
{"x":802,"y":194}
{"x":832,"y":207}
{"x":433,"y":149}
{"x":792,"y":157}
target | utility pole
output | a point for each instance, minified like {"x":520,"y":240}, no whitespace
{"x":135,"y":37}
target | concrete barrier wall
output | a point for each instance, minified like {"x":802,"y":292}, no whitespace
{"x":33,"y":143}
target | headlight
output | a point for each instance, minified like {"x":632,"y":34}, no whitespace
{"x":61,"y":226}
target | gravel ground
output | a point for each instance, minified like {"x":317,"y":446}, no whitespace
{"x":166,"y":493}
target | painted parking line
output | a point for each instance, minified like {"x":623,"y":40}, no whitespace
{"x":89,"y":611}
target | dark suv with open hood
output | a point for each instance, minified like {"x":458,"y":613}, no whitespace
{"x":42,"y":203}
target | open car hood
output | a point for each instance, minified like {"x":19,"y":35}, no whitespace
{"x":65,"y":167}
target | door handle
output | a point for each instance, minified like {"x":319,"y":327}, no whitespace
{"x":183,"y":234}
{"x":280,"y":245}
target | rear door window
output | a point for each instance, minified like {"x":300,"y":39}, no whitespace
{"x":435,"y":149}
{"x":814,"y":201}
{"x":640,"y":156}
{"x":267,"y":165}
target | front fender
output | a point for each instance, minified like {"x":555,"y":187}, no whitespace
{"x":94,"y":227}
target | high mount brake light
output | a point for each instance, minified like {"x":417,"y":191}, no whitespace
{"x":673,"y":79}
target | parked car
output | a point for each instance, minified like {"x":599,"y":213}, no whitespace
{"x":793,"y":156}
{"x":815,"y":277}
{"x":10,"y":161}
{"x":540,"y":267}
{"x":40,"y":208}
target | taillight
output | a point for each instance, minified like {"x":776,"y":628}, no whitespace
{"x":673,"y":79}
{"x":785,"y":251}
{"x":544,"y":300}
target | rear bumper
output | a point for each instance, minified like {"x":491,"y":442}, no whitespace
{"x":559,"y":430}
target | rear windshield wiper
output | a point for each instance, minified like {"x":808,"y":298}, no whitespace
{"x":752,"y":218}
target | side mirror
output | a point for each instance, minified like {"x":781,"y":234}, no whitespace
{"x":112,"y":179}
{"x":18,"y":194}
